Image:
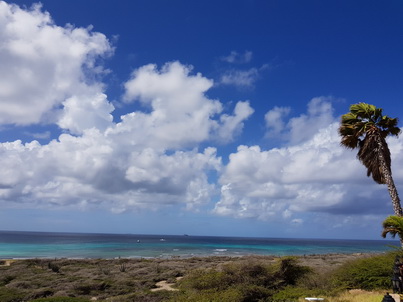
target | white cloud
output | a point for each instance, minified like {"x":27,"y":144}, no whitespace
{"x":314,"y":174}
{"x":85,"y":112}
{"x":43,"y":64}
{"x":240,"y":78}
{"x":39,"y":135}
{"x":231,"y":125}
{"x":235,"y":57}
{"x":319,"y":115}
{"x":181,"y":114}
{"x":299,"y":129}
{"x":93,"y":170}
{"x":150,"y":159}
{"x":274,"y":120}
{"x":142,"y":162}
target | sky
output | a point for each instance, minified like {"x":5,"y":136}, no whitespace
{"x":195,"y":117}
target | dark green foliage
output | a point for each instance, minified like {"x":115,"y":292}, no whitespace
{"x":243,"y":281}
{"x":40,"y":293}
{"x":369,"y":274}
{"x":61,"y":299}
{"x":87,"y":289}
{"x":54,"y":267}
{"x":205,"y":280}
{"x":11,"y":295}
{"x":229,"y":295}
{"x":221,"y":279}
{"x":122,"y":267}
{"x":293,"y":293}
{"x":290,"y":272}
{"x":6,"y":280}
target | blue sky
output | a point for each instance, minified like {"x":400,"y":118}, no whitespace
{"x":197,"y":117}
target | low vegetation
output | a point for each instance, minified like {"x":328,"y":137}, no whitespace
{"x":244,"y":279}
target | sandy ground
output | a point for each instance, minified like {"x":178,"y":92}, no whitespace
{"x":7,"y":262}
{"x":164,"y":285}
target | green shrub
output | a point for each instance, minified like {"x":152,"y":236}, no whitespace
{"x":11,"y":295}
{"x":250,"y":272}
{"x":40,"y":293}
{"x":87,"y":289}
{"x":368,"y":273}
{"x":292,"y":293}
{"x":206,"y":280}
{"x":54,"y":267}
{"x":60,"y":299}
{"x":290,"y":271}
{"x":249,"y":293}
{"x":6,"y":280}
{"x":242,"y":281}
{"x":228,"y":295}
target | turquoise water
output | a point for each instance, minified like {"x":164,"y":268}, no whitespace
{"x":67,"y":245}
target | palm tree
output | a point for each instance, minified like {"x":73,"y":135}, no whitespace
{"x":394,"y":226}
{"x":365,"y":128}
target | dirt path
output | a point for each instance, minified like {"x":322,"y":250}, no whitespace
{"x":7,"y":262}
{"x":164,"y":285}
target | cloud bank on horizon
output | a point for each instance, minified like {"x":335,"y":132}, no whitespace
{"x":166,"y":152}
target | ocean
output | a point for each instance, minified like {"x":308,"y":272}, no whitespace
{"x":21,"y":245}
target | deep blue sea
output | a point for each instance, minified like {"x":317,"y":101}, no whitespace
{"x":77,"y":245}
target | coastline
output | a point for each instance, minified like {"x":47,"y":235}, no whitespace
{"x":28,"y":245}
{"x":309,"y":259}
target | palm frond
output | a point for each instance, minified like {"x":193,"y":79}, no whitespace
{"x":373,"y":152}
{"x":393,"y":225}
{"x":364,"y":127}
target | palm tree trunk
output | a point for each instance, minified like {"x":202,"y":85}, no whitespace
{"x":387,"y":173}
{"x":394,"y":196}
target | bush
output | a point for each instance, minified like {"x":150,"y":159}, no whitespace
{"x":61,"y":299}
{"x":243,"y":281}
{"x":6,"y":280}
{"x":10,"y":295}
{"x":87,"y":289}
{"x":54,"y":267}
{"x":291,"y":293}
{"x":206,"y":280}
{"x":368,"y":274}
{"x":228,"y":295}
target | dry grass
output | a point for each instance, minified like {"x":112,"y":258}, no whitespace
{"x":124,"y":279}
{"x":359,"y":296}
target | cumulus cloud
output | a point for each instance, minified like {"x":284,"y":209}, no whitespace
{"x":157,"y":156}
{"x":231,"y":125}
{"x":298,"y":129}
{"x":274,"y":120}
{"x":181,"y":113}
{"x":149,"y":159}
{"x":85,"y":112}
{"x":126,"y":166}
{"x":312,"y":174}
{"x":94,"y":170}
{"x":43,"y":64}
